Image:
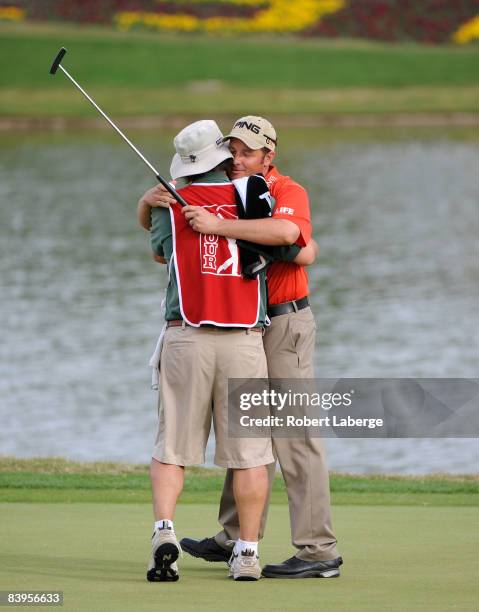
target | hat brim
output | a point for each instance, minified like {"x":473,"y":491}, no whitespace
{"x":250,"y":142}
{"x":180,"y":168}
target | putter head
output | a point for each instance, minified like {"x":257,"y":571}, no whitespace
{"x":57,"y":60}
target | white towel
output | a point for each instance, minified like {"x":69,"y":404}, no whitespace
{"x":155,"y":358}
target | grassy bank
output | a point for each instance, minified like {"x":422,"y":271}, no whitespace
{"x":135,"y":74}
{"x":58,"y":480}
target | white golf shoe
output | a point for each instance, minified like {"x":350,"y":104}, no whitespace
{"x":165,"y":550}
{"x":244,"y":566}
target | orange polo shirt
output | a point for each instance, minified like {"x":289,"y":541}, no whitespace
{"x":288,"y":281}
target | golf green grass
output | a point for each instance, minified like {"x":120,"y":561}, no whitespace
{"x":396,"y":558}
{"x":141,"y":74}
{"x":83,"y":528}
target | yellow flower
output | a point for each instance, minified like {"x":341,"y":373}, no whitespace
{"x":11,"y":13}
{"x":467,"y":32}
{"x":160,"y":21}
{"x":283,"y":15}
{"x":277,"y":16}
{"x":127,"y":19}
{"x":237,"y":2}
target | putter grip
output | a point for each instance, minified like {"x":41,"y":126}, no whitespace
{"x":171,"y":190}
{"x":57,"y":60}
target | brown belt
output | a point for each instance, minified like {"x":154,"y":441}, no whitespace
{"x":180,"y":323}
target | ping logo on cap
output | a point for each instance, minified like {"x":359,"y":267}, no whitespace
{"x":249,"y":126}
{"x":255,"y":132}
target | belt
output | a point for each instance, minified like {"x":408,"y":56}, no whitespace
{"x":279,"y":309}
{"x":180,"y":323}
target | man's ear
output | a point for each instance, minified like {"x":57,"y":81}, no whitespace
{"x":269,"y":157}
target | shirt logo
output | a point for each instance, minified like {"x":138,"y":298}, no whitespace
{"x":284,"y":210}
{"x":270,"y":180}
{"x":267,"y":196}
{"x":215,"y":258}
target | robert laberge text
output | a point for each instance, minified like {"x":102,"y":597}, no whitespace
{"x":304,"y":421}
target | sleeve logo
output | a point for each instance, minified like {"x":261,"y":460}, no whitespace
{"x":284,"y":210}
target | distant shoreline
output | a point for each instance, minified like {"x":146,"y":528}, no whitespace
{"x":60,"y":465}
{"x":176,"y":121}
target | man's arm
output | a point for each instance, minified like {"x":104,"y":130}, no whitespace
{"x":155,"y":197}
{"x":294,"y":254}
{"x":292,"y":204}
{"x":161,"y":237}
{"x":308,"y":254}
{"x":261,"y":231}
{"x":143,"y":214}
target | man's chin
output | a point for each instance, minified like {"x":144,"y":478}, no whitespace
{"x":237,"y":175}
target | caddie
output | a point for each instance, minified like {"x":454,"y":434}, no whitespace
{"x":215,"y":319}
{"x":289,"y":344}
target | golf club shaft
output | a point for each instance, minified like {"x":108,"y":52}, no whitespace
{"x":165,"y":183}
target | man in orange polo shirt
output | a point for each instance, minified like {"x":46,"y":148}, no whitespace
{"x":289,"y":345}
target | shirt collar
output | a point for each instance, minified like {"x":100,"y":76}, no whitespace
{"x":213,"y":177}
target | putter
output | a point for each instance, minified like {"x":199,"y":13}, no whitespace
{"x":55,"y":66}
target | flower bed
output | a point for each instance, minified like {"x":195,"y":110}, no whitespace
{"x":468,"y":32}
{"x":11,"y":13}
{"x":275,"y":16}
{"x":429,"y":21}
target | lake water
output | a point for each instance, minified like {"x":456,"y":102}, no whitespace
{"x":395,"y":290}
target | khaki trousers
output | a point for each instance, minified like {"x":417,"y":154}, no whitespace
{"x":289,"y":345}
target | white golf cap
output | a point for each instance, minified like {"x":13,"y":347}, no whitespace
{"x":256,"y":132}
{"x":199,"y":148}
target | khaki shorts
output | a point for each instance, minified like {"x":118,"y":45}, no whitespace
{"x":195,"y":366}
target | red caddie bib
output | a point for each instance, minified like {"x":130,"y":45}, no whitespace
{"x":210,"y":286}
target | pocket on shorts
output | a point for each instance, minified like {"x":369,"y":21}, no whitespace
{"x":249,"y":356}
{"x":176,"y":357}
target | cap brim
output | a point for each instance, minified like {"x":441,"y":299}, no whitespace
{"x":180,"y":169}
{"x":252,"y":144}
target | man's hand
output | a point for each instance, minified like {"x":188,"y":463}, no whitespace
{"x":155,"y":197}
{"x":158,"y":197}
{"x":201,"y":220}
{"x":159,"y":259}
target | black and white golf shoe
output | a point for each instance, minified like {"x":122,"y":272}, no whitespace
{"x":165,"y":550}
{"x":206,"y":549}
